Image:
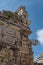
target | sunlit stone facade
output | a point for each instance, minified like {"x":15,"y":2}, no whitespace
{"x":15,"y":46}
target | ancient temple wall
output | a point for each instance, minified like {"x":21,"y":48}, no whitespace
{"x":8,"y":35}
{"x":16,"y":46}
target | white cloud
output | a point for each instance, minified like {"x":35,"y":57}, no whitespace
{"x":40,"y":36}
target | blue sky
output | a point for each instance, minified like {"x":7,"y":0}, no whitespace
{"x":35,"y":12}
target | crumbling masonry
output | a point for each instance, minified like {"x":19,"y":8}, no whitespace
{"x":15,"y":46}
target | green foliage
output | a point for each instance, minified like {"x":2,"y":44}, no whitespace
{"x":13,"y":16}
{"x":9,"y":14}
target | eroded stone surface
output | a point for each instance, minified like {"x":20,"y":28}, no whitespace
{"x":15,"y":46}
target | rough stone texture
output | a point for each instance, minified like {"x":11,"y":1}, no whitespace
{"x":15,"y":46}
{"x":39,"y":60}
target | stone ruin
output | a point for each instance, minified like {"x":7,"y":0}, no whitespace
{"x":15,"y":46}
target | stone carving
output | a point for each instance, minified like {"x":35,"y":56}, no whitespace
{"x":15,"y":46}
